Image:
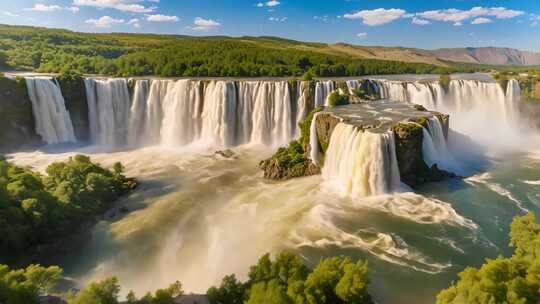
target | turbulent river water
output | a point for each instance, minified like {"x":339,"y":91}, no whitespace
{"x":198,"y":216}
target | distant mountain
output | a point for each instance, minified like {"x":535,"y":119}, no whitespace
{"x":487,"y":55}
{"x":481,"y":55}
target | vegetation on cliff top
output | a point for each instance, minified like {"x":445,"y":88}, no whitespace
{"x":292,"y":161}
{"x":37,"y":210}
{"x":54,"y":50}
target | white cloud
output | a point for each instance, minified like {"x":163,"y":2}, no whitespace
{"x":275,"y":19}
{"x":362,"y":35}
{"x":104,"y":21}
{"x":457,"y":16}
{"x":135,"y":22}
{"x":40,"y":7}
{"x":201,"y":24}
{"x":162,"y":18}
{"x":10,"y":14}
{"x":419,"y":21}
{"x":481,"y":20}
{"x":378,"y":16}
{"x":132,"y":6}
{"x":272,"y":3}
{"x":323,"y":18}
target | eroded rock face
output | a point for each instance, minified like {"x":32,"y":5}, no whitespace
{"x":17,"y":128}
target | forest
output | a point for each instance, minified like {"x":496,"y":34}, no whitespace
{"x":37,"y":210}
{"x":117,"y":54}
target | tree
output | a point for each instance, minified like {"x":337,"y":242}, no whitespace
{"x":102,"y":292}
{"x":231,"y":291}
{"x":503,"y":280}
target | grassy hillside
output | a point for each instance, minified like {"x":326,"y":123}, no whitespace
{"x":58,"y":50}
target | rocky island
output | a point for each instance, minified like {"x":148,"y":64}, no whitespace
{"x":405,"y":121}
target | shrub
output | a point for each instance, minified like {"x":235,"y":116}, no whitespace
{"x":335,"y":99}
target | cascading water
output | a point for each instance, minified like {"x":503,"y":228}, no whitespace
{"x":322,"y":90}
{"x":302,"y":105}
{"x":435,"y":148}
{"x":108,"y":111}
{"x":52,"y":120}
{"x":182,"y":107}
{"x":215,"y":114}
{"x":361,"y":163}
{"x":475,"y":106}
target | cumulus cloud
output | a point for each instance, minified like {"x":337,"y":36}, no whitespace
{"x":378,"y":16}
{"x":419,"y":21}
{"x":272,"y":3}
{"x":362,"y":35}
{"x":40,"y":7}
{"x":132,"y":6}
{"x":481,"y":20}
{"x":201,"y":24}
{"x":104,"y":21}
{"x":162,"y":18}
{"x":457,"y":16}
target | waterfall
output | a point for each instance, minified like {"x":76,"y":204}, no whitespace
{"x":137,"y":111}
{"x":435,"y":149}
{"x":303,"y":106}
{"x":108,"y":108}
{"x":361,"y":163}
{"x":182,"y":110}
{"x":52,"y":120}
{"x":322,"y":90}
{"x":475,"y":106}
{"x":314,"y":141}
{"x":219,"y":114}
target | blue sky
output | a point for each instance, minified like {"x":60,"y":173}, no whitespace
{"x":412,"y":23}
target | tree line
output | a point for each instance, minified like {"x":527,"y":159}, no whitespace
{"x":49,"y":50}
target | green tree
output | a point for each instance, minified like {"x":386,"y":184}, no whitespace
{"x":503,"y":280}
{"x":102,"y":292}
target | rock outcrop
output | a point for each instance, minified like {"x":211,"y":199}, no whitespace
{"x":406,"y":121}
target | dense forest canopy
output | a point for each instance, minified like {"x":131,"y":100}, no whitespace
{"x":117,"y":54}
{"x":37,"y":209}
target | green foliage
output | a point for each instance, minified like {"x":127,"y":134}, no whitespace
{"x":35,"y":209}
{"x":231,"y":291}
{"x":444,"y":81}
{"x":308,"y":76}
{"x":336,"y":99}
{"x":503,"y":280}
{"x":23,"y":285}
{"x":102,"y":292}
{"x":52,"y":50}
{"x":288,"y":280}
